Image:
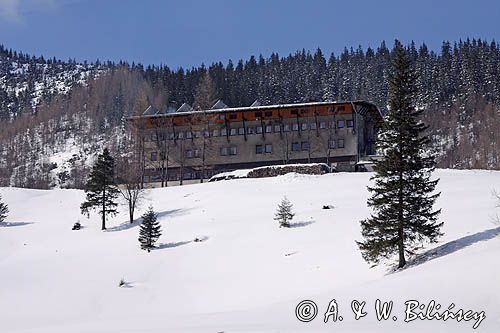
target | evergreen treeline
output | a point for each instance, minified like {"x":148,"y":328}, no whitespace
{"x":459,"y":70}
{"x":459,"y":86}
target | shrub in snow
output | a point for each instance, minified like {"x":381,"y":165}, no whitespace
{"x":122,"y":282}
{"x":4,"y":210}
{"x":284,"y":213}
{"x":150,"y":230}
{"x":77,"y":226}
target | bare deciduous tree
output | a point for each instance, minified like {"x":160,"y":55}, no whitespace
{"x":130,"y":185}
{"x":205,"y":95}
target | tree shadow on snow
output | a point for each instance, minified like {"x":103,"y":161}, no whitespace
{"x":301,"y":224}
{"x":170,"y":245}
{"x":173,"y":212}
{"x":451,"y":247}
{"x":127,"y":225}
{"x":14,"y":224}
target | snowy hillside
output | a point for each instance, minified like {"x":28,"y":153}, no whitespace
{"x":247,"y":275}
{"x":26,"y":81}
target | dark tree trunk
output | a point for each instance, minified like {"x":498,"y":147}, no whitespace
{"x":103,"y":226}
{"x":131,"y":214}
{"x":401,"y":241}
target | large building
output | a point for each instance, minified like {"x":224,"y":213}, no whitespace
{"x":186,"y":145}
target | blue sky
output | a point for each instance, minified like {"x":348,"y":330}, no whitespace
{"x":188,"y":32}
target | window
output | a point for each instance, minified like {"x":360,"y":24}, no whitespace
{"x":189,"y":153}
{"x":295,"y":146}
{"x":258,"y":114}
{"x":181,"y":135}
{"x":304,"y":126}
{"x":241,"y":130}
{"x":295,"y":112}
{"x":197,"y":134}
{"x":171,"y":136}
{"x":153,"y":136}
{"x":340,"y":108}
{"x":295,"y":127}
{"x":223,"y":131}
{"x":313,"y":126}
{"x":233,"y":116}
{"x":215,"y":132}
{"x":154,"y":156}
{"x":340,"y":143}
{"x":232,"y":150}
{"x":304,"y":145}
{"x":222,"y":117}
{"x":340,"y":123}
{"x":331,"y":144}
{"x":269,"y":129}
{"x":277,"y":128}
{"x":269,"y":148}
{"x":206,"y":133}
{"x":258,"y":149}
{"x":269,"y":114}
{"x":233,"y":131}
{"x":322,"y":125}
{"x":350,"y":123}
{"x":258,"y":129}
{"x":189,"y":135}
{"x":286,"y":128}
{"x":163,"y":156}
{"x":249,"y":130}
{"x":196,"y":153}
{"x":223,"y":151}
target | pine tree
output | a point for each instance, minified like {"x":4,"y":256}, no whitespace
{"x":403,"y":195}
{"x":100,"y":188}
{"x":4,"y":210}
{"x":150,"y":230}
{"x":284,"y":213}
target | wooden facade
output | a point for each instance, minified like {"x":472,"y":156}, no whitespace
{"x":192,"y":145}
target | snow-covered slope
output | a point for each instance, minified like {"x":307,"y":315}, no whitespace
{"x":247,"y":275}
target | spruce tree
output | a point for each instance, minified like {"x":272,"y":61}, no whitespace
{"x":4,"y":210}
{"x":403,"y":194}
{"x":150,"y":230}
{"x":101,"y":191}
{"x":284,"y":213}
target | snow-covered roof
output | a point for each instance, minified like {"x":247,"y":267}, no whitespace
{"x":185,"y":108}
{"x":219,"y":105}
{"x":256,"y":103}
{"x":372,"y":108}
{"x":150,"y":111}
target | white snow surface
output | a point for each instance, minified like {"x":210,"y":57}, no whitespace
{"x":247,"y":275}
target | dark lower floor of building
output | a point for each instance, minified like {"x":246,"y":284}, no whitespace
{"x":188,"y":173}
